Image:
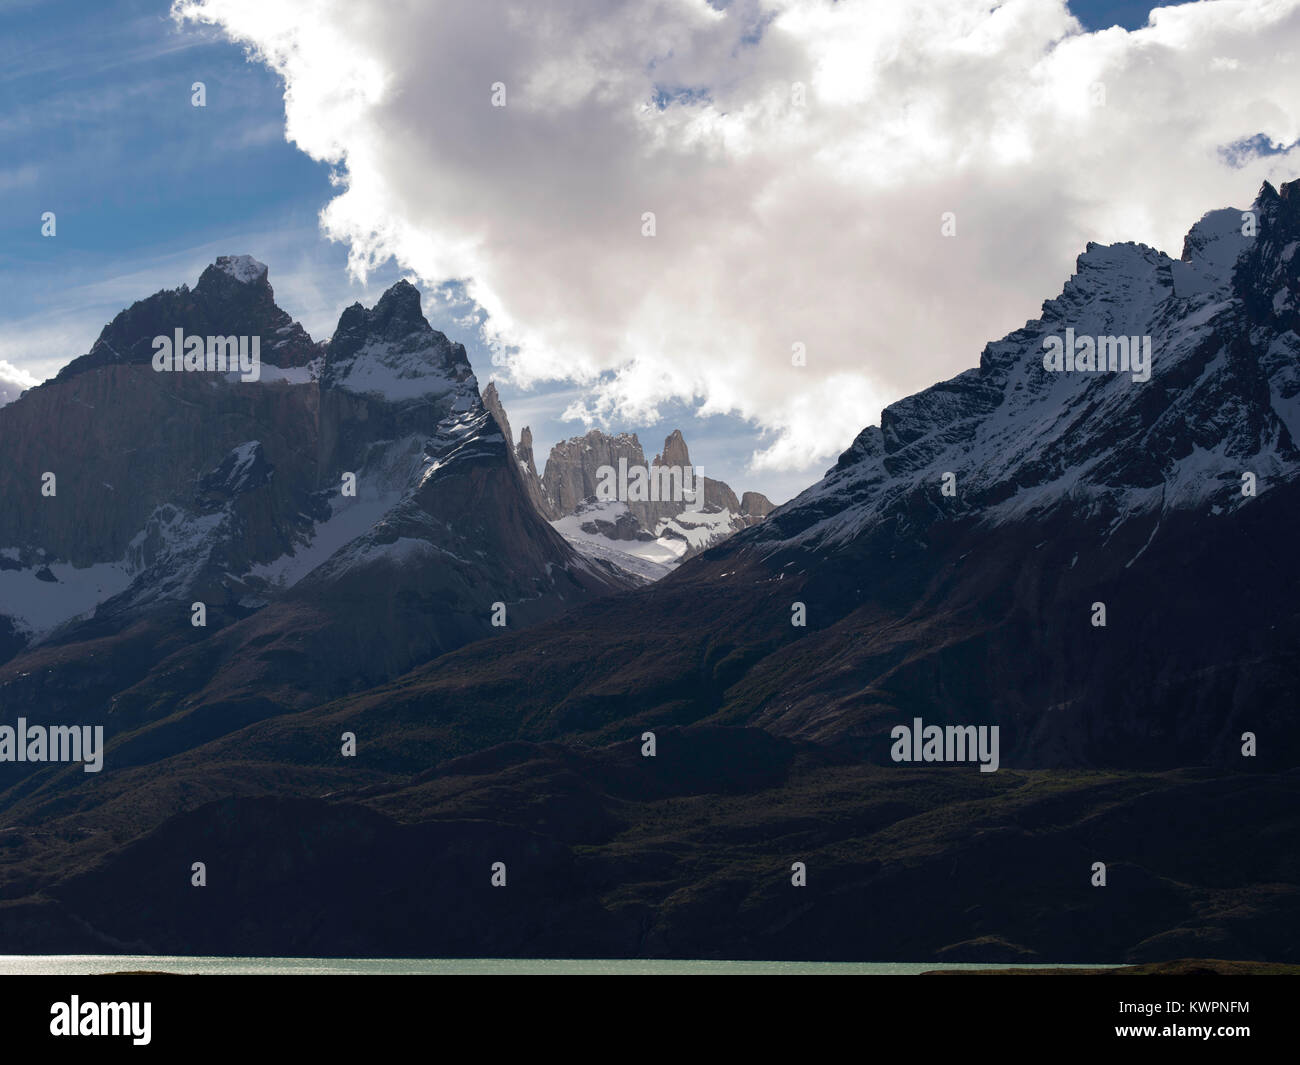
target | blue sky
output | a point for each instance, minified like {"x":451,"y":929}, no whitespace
{"x":147,"y":189}
{"x":97,"y":126}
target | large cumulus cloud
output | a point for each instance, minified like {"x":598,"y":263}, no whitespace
{"x":777,"y":221}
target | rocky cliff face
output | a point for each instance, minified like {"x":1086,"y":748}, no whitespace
{"x":523,"y":452}
{"x":345,"y":515}
{"x":754,"y":507}
{"x":570,"y":476}
{"x":646,"y":538}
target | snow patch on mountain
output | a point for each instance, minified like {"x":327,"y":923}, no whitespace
{"x":243,"y":268}
{"x":601,"y":550}
{"x":697,"y":528}
{"x":275,"y":375}
{"x":1211,"y":249}
{"x":648,"y":556}
{"x":396,"y":372}
{"x":658,"y":554}
{"x":171,"y":550}
{"x":346,"y":524}
{"x":403,"y":551}
{"x":39,"y":604}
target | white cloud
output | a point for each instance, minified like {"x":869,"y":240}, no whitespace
{"x":776,"y":223}
{"x":13,"y":381}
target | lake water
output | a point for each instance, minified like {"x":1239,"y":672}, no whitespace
{"x":89,"y":964}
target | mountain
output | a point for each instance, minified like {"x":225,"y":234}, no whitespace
{"x":347,"y":514}
{"x":645,"y":538}
{"x":1067,"y":490}
{"x":234,"y":290}
{"x":950,"y":566}
{"x":523,"y":451}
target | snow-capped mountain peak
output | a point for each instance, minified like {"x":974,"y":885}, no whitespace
{"x":1123,"y":433}
{"x":243,"y":268}
{"x":391,"y":351}
{"x":174,"y":488}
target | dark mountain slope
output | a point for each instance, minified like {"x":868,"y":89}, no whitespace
{"x":339,"y":523}
{"x":974,"y":606}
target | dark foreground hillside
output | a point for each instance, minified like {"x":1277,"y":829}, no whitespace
{"x":688,"y":854}
{"x":1146,"y":799}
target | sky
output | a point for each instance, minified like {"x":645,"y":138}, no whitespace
{"x":882,"y":187}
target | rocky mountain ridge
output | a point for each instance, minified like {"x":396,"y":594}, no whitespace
{"x":646,"y":538}
{"x":948,"y":567}
{"x":338,"y":519}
